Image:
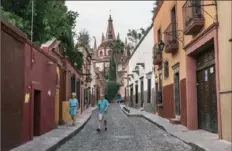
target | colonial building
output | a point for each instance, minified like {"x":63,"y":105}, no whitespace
{"x":225,"y":66}
{"x":101,"y":57}
{"x":68,"y":80}
{"x":86,"y":77}
{"x":141,"y":74}
{"x":27,"y":100}
{"x":186,"y":60}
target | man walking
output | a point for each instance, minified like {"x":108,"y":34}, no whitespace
{"x":103,"y":105}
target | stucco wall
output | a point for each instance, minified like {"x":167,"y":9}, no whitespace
{"x":12,"y":88}
{"x":225,"y":68}
{"x":143,"y":54}
{"x":35,"y":79}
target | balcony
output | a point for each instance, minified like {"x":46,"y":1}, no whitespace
{"x":193,"y":19}
{"x":170,"y":38}
{"x":157,"y":55}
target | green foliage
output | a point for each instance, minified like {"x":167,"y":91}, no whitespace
{"x":112,"y":76}
{"x":51,"y":19}
{"x":112,"y":88}
{"x":84,"y":38}
{"x":117,"y":47}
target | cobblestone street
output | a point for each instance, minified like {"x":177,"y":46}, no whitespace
{"x":124,"y":134}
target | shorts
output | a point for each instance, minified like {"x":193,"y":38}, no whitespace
{"x":102,"y":116}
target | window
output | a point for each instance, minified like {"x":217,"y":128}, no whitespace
{"x":173,"y":20}
{"x":73,"y":80}
{"x":101,"y":53}
{"x":166,"y":69}
{"x":159,"y":35}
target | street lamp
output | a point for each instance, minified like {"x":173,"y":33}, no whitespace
{"x":161,"y":45}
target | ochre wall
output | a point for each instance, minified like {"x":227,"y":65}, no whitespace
{"x":225,"y":66}
{"x":57,"y":97}
{"x":161,"y":23}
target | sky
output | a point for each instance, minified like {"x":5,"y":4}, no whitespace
{"x":94,"y":15}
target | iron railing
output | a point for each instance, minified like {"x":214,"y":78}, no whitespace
{"x":170,"y":34}
{"x":191,"y":9}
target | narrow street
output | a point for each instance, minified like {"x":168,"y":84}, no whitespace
{"x":124,"y":134}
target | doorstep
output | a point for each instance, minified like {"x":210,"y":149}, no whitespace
{"x":174,"y":120}
{"x":203,"y":139}
{"x":58,"y":136}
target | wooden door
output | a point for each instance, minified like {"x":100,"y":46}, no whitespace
{"x":206,"y":93}
{"x":37,"y":114}
{"x":136,"y":94}
{"x":62,"y":95}
{"x":131,"y":95}
{"x":148,"y":90}
{"x":177,"y":94}
{"x":141,"y":90}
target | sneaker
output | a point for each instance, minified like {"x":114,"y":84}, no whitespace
{"x":98,"y":129}
{"x":105,"y":128}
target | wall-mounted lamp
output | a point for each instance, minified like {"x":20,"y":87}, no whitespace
{"x":230,"y":40}
{"x":140,"y":64}
{"x":136,"y":70}
{"x":131,"y":75}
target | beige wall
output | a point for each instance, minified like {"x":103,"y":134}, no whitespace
{"x":162,"y":20}
{"x":225,"y":68}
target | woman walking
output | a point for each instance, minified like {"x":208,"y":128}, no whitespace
{"x":73,"y":107}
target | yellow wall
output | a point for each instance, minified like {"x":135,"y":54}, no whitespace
{"x":162,"y":20}
{"x":65,"y":108}
{"x":57,"y":100}
{"x":225,"y":68}
{"x":57,"y":106}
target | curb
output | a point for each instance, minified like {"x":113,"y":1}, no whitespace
{"x":67,"y":138}
{"x":195,"y":147}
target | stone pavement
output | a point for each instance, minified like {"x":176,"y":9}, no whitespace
{"x":56,"y":137}
{"x":199,"y":139}
{"x":123,"y":134}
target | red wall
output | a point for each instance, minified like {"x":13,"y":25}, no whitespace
{"x":167,"y":111}
{"x":41,"y":76}
{"x":12,"y":85}
{"x":183,"y":102}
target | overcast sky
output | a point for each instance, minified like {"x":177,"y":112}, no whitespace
{"x":93,"y":16}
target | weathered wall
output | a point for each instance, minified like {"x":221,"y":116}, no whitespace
{"x":12,"y":84}
{"x":36,"y":64}
{"x":225,"y":68}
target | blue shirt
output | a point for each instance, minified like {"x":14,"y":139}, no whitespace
{"x":73,"y":103}
{"x":102,"y":105}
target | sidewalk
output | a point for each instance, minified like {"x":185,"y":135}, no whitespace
{"x":55,"y":138}
{"x":196,"y":138}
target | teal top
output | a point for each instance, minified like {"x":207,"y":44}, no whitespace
{"x":102,"y":105}
{"x":73,"y":105}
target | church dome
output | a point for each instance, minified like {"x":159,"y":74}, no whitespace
{"x":105,"y":43}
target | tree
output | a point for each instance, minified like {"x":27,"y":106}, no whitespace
{"x":112,"y":86}
{"x":84,"y":38}
{"x":134,"y":35}
{"x":51,"y":19}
